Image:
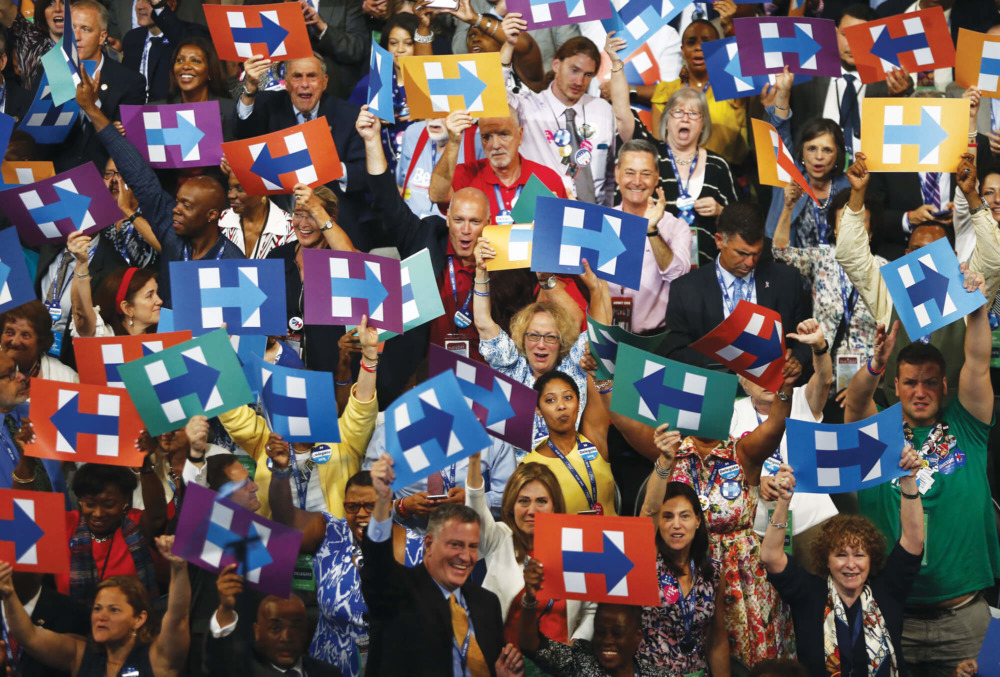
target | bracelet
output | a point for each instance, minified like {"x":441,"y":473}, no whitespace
{"x":872,"y":371}
{"x":779,"y":525}
{"x":487,"y":280}
{"x":496,"y":25}
{"x":504,"y":65}
{"x":604,"y":384}
{"x":973,"y":145}
{"x":528,"y":605}
{"x":282,"y":473}
{"x":653,"y":233}
{"x":972,"y":135}
{"x":370,"y":369}
{"x":824,"y":351}
{"x":480,"y":293}
{"x":909,"y":496}
{"x":400,"y":508}
{"x":606,"y":390}
{"x":81,"y":277}
{"x":777,"y":107}
{"x":661,"y":472}
{"x":341,"y":383}
{"x":479,"y":19}
{"x":199,"y":459}
{"x":18,"y":480}
{"x":423,"y":39}
{"x":619,"y":69}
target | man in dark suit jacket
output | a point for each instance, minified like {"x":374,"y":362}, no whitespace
{"x":414,"y":614}
{"x":121,"y":12}
{"x":906,"y":206}
{"x":160,"y":25}
{"x":50,"y":610}
{"x":698,"y":302}
{"x":118,"y":86}
{"x":303,"y":99}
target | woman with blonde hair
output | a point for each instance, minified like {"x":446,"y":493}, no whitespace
{"x":507,"y":545}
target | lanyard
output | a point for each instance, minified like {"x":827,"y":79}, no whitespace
{"x":687,"y":609}
{"x":730,"y":304}
{"x":146,"y":48}
{"x":3,"y":98}
{"x":849,"y":303}
{"x":590,"y":495}
{"x":463,"y":651}
{"x":454,"y":288}
{"x":187,"y":252}
{"x":682,"y":188}
{"x":695,"y":478}
{"x":819,"y":215}
{"x":8,"y":444}
{"x":448,"y":481}
{"x":302,"y":480}
{"x":59,"y":280}
{"x":501,"y":203}
{"x":847,"y":650}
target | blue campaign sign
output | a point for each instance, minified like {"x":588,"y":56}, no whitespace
{"x":430,"y":428}
{"x":638,"y":20}
{"x":568,"y":231}
{"x":722,"y":60}
{"x":47,"y":122}
{"x":832,"y":459}
{"x":380,"y":83}
{"x":15,"y":282}
{"x":926,"y":289}
{"x":247,"y":295}
{"x":298,"y":404}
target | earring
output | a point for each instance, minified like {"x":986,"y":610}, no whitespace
{"x":131,"y":322}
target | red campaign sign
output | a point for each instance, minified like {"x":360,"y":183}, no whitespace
{"x":273,"y":163}
{"x":751,"y":342}
{"x":597,"y":558}
{"x":917,"y":41}
{"x":84,"y":424}
{"x":97,"y":359}
{"x":277,"y":32}
{"x":33,"y":531}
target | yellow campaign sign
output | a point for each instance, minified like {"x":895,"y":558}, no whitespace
{"x":909,"y":135}
{"x":23,"y":173}
{"x":977,"y":62}
{"x":438,"y":85}
{"x":512,"y":245}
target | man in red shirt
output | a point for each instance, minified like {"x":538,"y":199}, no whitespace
{"x":501,"y":176}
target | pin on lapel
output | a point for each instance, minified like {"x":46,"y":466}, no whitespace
{"x":104,"y":86}
{"x":767,"y":284}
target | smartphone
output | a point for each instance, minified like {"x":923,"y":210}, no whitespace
{"x":943,"y":212}
{"x":437,"y":497}
{"x":587,"y":512}
{"x":443,"y":4}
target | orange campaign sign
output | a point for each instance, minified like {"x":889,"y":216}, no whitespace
{"x":598,"y":558}
{"x":438,"y":85}
{"x":23,"y":173}
{"x":83,"y":423}
{"x":512,"y":245}
{"x":273,"y":163}
{"x":33,"y":531}
{"x":97,"y":359}
{"x":917,"y":41}
{"x":775,"y":164}
{"x":977,"y":62}
{"x":909,"y":135}
{"x":277,"y":32}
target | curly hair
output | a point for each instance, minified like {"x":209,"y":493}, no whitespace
{"x":138,"y":598}
{"x":565,"y":325}
{"x":848,"y":530}
{"x":37,"y":315}
{"x":525,"y":474}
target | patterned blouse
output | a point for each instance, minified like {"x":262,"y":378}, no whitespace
{"x":342,"y":625}
{"x":29,"y":41}
{"x":663,"y":626}
{"x":578,"y":660}
{"x":129,"y":243}
{"x":831,"y":286}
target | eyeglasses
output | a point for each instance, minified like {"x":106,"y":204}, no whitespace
{"x":110,"y":175}
{"x":677,"y":114}
{"x":12,"y":374}
{"x":354,"y":508}
{"x":535,"y":337}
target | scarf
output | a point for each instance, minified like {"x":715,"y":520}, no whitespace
{"x":876,"y":636}
{"x":84,"y":576}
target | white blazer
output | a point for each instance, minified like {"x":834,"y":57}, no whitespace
{"x":505,"y":577}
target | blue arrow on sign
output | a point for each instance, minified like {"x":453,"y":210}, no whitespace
{"x":271,"y":168}
{"x":734,"y":69}
{"x":934,"y":287}
{"x":22,"y":531}
{"x":605,"y":241}
{"x":248,"y":297}
{"x":435,"y":425}
{"x":865,"y":455}
{"x":989,"y":66}
{"x":802,"y":44}
{"x":4,"y":274}
{"x":70,"y":421}
{"x":283,"y":405}
{"x":497,"y":407}
{"x":185,"y":135}
{"x":766,"y":350}
{"x":256,"y":555}
{"x":269,"y":33}
{"x":655,"y":394}
{"x":605,"y":351}
{"x":612,"y":562}
{"x":928,"y":134}
{"x":889,"y":48}
{"x":466,"y":85}
{"x":70,"y":205}
{"x":199,"y":380}
{"x":370,"y":288}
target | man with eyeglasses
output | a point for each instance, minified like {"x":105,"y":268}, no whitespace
{"x":132,"y":236}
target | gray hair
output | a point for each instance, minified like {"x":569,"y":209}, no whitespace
{"x":450,"y":511}
{"x":684,"y":95}
{"x":102,"y":11}
{"x":640,"y":146}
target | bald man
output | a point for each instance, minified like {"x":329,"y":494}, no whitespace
{"x":188,"y":226}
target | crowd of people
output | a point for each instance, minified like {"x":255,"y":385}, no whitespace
{"x":440,"y":577}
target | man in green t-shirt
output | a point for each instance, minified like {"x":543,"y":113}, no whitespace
{"x":946,"y":615}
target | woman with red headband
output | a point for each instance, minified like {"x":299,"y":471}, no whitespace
{"x":128,"y":302}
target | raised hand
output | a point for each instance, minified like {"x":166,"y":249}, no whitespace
{"x":254,"y":67}
{"x":910,"y":460}
{"x":484,"y":252}
{"x":165,"y":546}
{"x":197,"y":433}
{"x":383,"y":476}
{"x":534,"y":577}
{"x":898,"y":80}
{"x":513,"y":25}
{"x":857,"y":173}
{"x":810,"y":332}
{"x":368,"y":339}
{"x":456,"y":123}
{"x":368,"y":125}
{"x":792,"y":369}
{"x":668,"y":442}
{"x":612,"y":46}
{"x":278,"y":451}
{"x":784,"y":482}
{"x":965,"y":175}
{"x":655,"y":209}
{"x":884,"y":345}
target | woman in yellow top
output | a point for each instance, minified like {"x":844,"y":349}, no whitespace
{"x":579,"y":460}
{"x":729,"y":118}
{"x":320,"y":471}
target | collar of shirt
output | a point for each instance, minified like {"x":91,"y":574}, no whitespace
{"x":459,"y":267}
{"x":448,"y":593}
{"x":490,"y":176}
{"x":311,"y":111}
{"x":297,"y":666}
{"x":727,"y":277}
{"x":559,"y":108}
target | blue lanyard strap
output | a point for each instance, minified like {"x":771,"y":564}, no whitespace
{"x":687,"y":609}
{"x":696,"y":479}
{"x":501,"y":204}
{"x":454,"y":286}
{"x":819,"y":214}
{"x":68,"y":279}
{"x":848,"y":298}
{"x":730,"y":303}
{"x":8,"y":444}
{"x":682,"y":187}
{"x":590,"y":495}
{"x":301,"y":482}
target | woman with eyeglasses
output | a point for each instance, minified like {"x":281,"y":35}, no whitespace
{"x":696,"y":181}
{"x":543,"y":336}
{"x":334,"y":544}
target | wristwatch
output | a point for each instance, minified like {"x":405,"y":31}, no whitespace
{"x":654,"y":232}
{"x":550,"y":283}
{"x":327,"y":226}
{"x":782,"y":396}
{"x":247,"y":92}
{"x":981,"y":208}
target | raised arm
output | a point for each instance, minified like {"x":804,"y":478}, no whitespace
{"x":783,"y":229}
{"x":56,"y":650}
{"x":481,"y":308}
{"x":444,"y":171}
{"x":783,"y":94}
{"x":335,"y":237}
{"x":618,"y":86}
{"x":758,"y":445}
{"x":975,"y":389}
{"x":528,"y":636}
{"x":810,"y":332}
{"x":84,"y":315}
{"x":169,"y":652}
{"x":595,"y":420}
{"x":772,"y":548}
{"x":911,"y":509}
{"x":667,"y":442}
{"x":279,"y":496}
{"x":858,"y":402}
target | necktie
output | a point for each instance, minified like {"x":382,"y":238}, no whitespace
{"x":584,"y":178}
{"x":738,"y":293}
{"x":293,"y":673}
{"x":64,"y":264}
{"x":850,"y":118}
{"x":475,"y":660}
{"x":932,"y":189}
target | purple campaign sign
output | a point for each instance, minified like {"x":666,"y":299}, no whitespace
{"x":768,"y":44}
{"x":505,"y":407}
{"x":340,"y":287}
{"x":549,"y":13}
{"x":214,"y":532}
{"x":171,"y":136}
{"x":47,"y":211}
